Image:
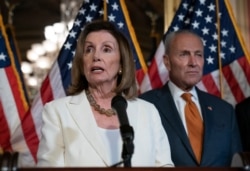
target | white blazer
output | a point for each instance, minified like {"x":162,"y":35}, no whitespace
{"x":70,"y":135}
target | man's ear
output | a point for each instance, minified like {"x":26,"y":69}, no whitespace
{"x":166,"y":61}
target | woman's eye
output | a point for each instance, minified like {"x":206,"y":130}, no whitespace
{"x":88,"y":49}
{"x":107,"y":49}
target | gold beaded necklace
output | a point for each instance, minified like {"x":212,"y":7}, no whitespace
{"x":97,"y":107}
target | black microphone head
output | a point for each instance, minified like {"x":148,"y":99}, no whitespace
{"x":118,"y":101}
{"x":119,"y":104}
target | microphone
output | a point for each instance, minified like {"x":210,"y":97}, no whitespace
{"x":119,"y":104}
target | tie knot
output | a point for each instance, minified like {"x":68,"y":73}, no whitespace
{"x":187,"y":97}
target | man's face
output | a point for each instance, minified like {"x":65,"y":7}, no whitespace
{"x":185,"y":60}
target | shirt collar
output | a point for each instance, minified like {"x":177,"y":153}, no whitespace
{"x":177,"y":92}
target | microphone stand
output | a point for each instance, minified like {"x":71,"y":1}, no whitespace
{"x":119,"y":104}
{"x":127,"y":134}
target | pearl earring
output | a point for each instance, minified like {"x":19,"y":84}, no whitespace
{"x":120,"y":72}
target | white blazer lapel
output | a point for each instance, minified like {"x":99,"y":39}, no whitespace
{"x":82,"y":115}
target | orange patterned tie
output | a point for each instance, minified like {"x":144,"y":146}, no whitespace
{"x":194,"y":125}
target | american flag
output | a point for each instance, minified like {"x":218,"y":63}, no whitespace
{"x":223,"y":47}
{"x":58,"y":78}
{"x":14,"y":103}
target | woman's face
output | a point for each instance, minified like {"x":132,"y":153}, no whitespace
{"x":101,"y":58}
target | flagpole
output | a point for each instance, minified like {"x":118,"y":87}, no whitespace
{"x":219,"y":48}
{"x":12,"y":59}
{"x":105,"y":12}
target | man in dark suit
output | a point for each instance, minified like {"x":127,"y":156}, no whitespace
{"x":184,"y":59}
{"x":242,"y":110}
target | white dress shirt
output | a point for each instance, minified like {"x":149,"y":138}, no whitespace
{"x":112,"y":140}
{"x":180,"y":103}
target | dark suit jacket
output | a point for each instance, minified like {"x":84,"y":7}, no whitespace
{"x":221,"y":134}
{"x":243,"y":116}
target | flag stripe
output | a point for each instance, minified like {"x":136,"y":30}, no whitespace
{"x":210,"y":85}
{"x":15,"y":89}
{"x":161,"y":66}
{"x":145,"y":84}
{"x":30,"y":134}
{"x":56,"y":83}
{"x":36,"y":112}
{"x":4,"y":131}
{"x":140,"y":74}
{"x":10,"y":112}
{"x":245,"y":66}
{"x":46,"y":91}
{"x":154,"y":75}
{"x":157,"y":73}
{"x":233,"y":83}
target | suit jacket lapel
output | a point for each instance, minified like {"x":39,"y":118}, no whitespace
{"x":170,"y":113}
{"x":207,"y":113}
{"x":82,"y":114}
